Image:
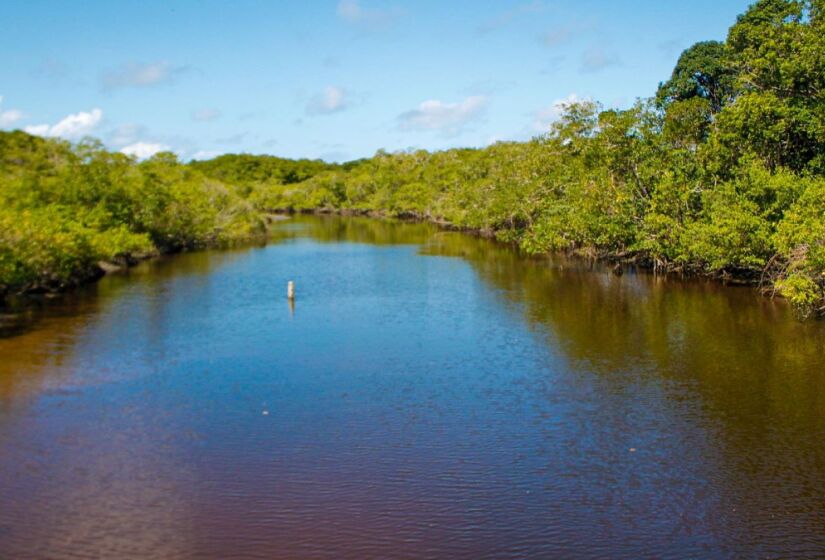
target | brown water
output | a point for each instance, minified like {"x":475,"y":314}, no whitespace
{"x":431,"y":395}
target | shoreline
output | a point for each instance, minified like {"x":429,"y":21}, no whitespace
{"x":747,"y":278}
{"x":617,"y":262}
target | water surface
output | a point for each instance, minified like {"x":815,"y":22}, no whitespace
{"x":430,"y":395}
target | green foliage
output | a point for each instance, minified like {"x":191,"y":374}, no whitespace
{"x":777,"y":49}
{"x":780,"y":132}
{"x":246,"y":169}
{"x":723,"y":172}
{"x":729,"y":234}
{"x":64,"y":208}
{"x":720,"y":173}
{"x":688,"y":122}
{"x":45,"y":248}
{"x":800,"y":241}
{"x":703,"y":71}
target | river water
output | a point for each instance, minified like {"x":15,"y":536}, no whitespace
{"x":429,"y":395}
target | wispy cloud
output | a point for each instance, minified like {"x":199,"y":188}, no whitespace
{"x":567,"y":32}
{"x":10,"y":116}
{"x":232,"y":140}
{"x":126,"y":134}
{"x":142,"y":75}
{"x":71,"y":127}
{"x":332,"y":100}
{"x":206,"y":114}
{"x":448,"y":118}
{"x":205,"y":154}
{"x":137,"y":140}
{"x":557,"y":36}
{"x":505,"y":18}
{"x":353,"y":13}
{"x":143,"y":150}
{"x":350,"y":10}
{"x":596,"y":59}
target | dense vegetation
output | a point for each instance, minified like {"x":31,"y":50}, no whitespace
{"x":64,"y":208}
{"x":722,"y":172}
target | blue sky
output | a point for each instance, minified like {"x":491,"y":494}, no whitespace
{"x":336,"y":79}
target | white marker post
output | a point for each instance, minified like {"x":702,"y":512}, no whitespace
{"x":290,"y":291}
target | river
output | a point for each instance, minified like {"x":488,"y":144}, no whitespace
{"x":429,"y":395}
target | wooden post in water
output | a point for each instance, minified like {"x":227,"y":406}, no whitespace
{"x":290,"y":291}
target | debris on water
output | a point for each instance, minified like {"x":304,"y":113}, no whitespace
{"x":265,"y":413}
{"x":633,"y":450}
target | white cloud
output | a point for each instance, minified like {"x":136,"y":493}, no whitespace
{"x":8,"y":118}
{"x":351,"y":12}
{"x":78,"y":124}
{"x":38,"y":129}
{"x":70,"y":127}
{"x":332,"y":100}
{"x":206,"y":114}
{"x":544,"y":118}
{"x":449,"y":118}
{"x":135,"y":74}
{"x":205,"y":154}
{"x":143,"y":150}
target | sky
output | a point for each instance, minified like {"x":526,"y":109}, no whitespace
{"x":331,"y":79}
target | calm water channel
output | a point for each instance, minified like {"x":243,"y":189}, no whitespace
{"x":431,"y":395}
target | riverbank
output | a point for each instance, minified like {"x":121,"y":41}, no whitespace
{"x":428,"y":391}
{"x":50,"y":287}
{"x":70,"y":212}
{"x":617,"y":259}
{"x":618,"y":262}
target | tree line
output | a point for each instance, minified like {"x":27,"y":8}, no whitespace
{"x":720,"y":172}
{"x":64,"y":208}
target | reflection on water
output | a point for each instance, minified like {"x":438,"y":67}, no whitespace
{"x":430,"y":395}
